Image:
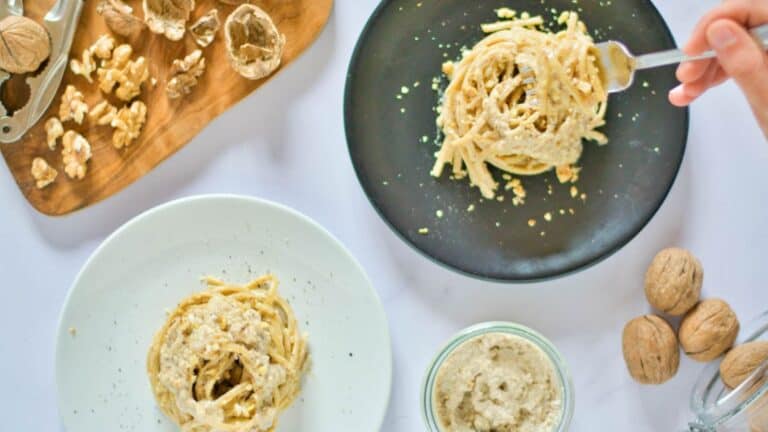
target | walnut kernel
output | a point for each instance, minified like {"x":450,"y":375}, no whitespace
{"x":204,"y":30}
{"x":84,"y":67}
{"x":103,"y":47}
{"x":185,"y":74}
{"x":128,"y":123}
{"x":673,"y":281}
{"x":103,"y":113}
{"x":76,"y":153}
{"x":122,"y":72}
{"x":119,"y":17}
{"x":53,"y":130}
{"x":742,"y":361}
{"x":708,"y":330}
{"x":26,"y":44}
{"x":43,"y":173}
{"x":650,"y":350}
{"x":73,"y":106}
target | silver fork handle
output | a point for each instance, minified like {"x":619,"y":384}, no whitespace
{"x":663,"y":58}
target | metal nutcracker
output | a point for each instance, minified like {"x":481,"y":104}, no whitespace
{"x":61,"y":23}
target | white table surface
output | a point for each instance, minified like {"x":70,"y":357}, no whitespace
{"x":297,"y":155}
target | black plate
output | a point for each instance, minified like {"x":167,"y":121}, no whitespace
{"x":625,"y":181}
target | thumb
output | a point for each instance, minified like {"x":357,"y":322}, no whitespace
{"x":744,"y":61}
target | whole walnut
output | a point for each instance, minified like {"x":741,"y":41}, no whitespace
{"x":741,"y":361}
{"x":708,"y":330}
{"x":650,"y":349}
{"x":673,"y":281}
{"x":26,"y":44}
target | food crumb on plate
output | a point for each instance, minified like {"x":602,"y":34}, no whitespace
{"x":72,"y":331}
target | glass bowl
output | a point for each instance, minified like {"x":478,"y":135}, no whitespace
{"x":561,"y":370}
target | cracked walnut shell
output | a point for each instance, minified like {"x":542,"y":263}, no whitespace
{"x":76,"y":153}
{"x":204,"y":30}
{"x":185,"y":74}
{"x":43,"y":173}
{"x":25,"y":44}
{"x":650,"y":349}
{"x":673,"y":281}
{"x":254,"y":45}
{"x":742,"y":361}
{"x":708,"y":330}
{"x":119,"y":17}
{"x":128,"y":123}
{"x":73,"y":106}
{"x":168,"y":17}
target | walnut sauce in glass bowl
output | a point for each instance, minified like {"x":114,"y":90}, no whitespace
{"x":497,"y":376}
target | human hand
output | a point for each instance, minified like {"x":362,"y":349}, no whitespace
{"x":739,"y":56}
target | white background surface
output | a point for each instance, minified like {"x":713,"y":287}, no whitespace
{"x":286,"y":143}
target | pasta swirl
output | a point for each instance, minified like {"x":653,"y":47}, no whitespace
{"x":228,"y":359}
{"x":521,"y":100}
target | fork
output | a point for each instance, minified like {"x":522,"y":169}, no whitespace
{"x":619,"y":64}
{"x":61,"y":23}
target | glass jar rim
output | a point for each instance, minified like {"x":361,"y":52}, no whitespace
{"x":530,"y":335}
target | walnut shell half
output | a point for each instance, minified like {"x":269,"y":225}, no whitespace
{"x":168,"y":17}
{"x":254,"y":45}
{"x":119,"y":17}
{"x":25,"y":44}
{"x":673,"y":281}
{"x":650,"y":349}
{"x":708,"y":330}
{"x":741,"y":361}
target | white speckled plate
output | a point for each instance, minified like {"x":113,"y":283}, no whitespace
{"x":119,"y":300}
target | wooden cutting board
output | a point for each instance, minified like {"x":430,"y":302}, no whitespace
{"x":170,"y":123}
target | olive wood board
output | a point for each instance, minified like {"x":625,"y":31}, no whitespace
{"x":171,"y":123}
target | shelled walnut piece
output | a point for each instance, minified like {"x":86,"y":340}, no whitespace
{"x":101,"y":49}
{"x":673,"y":281}
{"x":26,"y":44}
{"x":254,"y":44}
{"x":742,"y":361}
{"x":185,"y":74}
{"x":128,"y":123}
{"x":103,"y":113}
{"x":122,"y":73}
{"x":73,"y":106}
{"x":204,"y":30}
{"x":76,"y":152}
{"x":43,"y":173}
{"x":168,"y":17}
{"x":708,"y":330}
{"x":53,"y":131}
{"x":119,"y":17}
{"x":85,"y":66}
{"x":650,"y":349}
